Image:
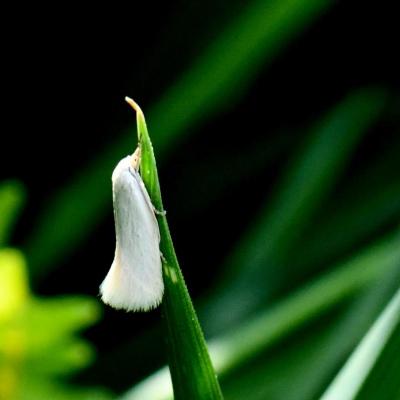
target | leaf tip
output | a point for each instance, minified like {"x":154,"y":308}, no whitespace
{"x":134,"y":105}
{"x":141,"y":122}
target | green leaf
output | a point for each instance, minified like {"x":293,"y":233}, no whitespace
{"x":215,"y":79}
{"x":192,"y":373}
{"x":62,"y":316}
{"x":14,"y":291}
{"x":38,"y":336}
{"x":359,"y":366}
{"x":12,"y":198}
{"x":64,"y":356}
{"x":382,"y":381}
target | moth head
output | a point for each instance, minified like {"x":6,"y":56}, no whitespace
{"x":135,"y":159}
{"x":126,"y":163}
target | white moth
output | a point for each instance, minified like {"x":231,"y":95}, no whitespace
{"x":134,"y":281}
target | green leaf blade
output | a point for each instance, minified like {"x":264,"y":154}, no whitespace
{"x":192,"y":373}
{"x":355,"y":372}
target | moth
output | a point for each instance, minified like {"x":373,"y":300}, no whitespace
{"x":134,"y":281}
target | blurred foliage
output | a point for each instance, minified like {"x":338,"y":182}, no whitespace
{"x":311,"y":275}
{"x":258,"y":264}
{"x":38,"y":343}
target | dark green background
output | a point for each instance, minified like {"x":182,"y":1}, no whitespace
{"x":65,"y":75}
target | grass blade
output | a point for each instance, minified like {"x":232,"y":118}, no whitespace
{"x":192,"y":373}
{"x":382,"y":381}
{"x":353,"y":375}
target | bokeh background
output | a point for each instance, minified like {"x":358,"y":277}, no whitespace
{"x":276,"y":131}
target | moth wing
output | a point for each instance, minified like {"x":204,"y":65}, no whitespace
{"x":134,"y":281}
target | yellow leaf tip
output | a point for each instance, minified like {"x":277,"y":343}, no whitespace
{"x":134,"y":105}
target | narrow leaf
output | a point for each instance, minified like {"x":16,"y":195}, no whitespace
{"x":192,"y":373}
{"x":353,"y":375}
